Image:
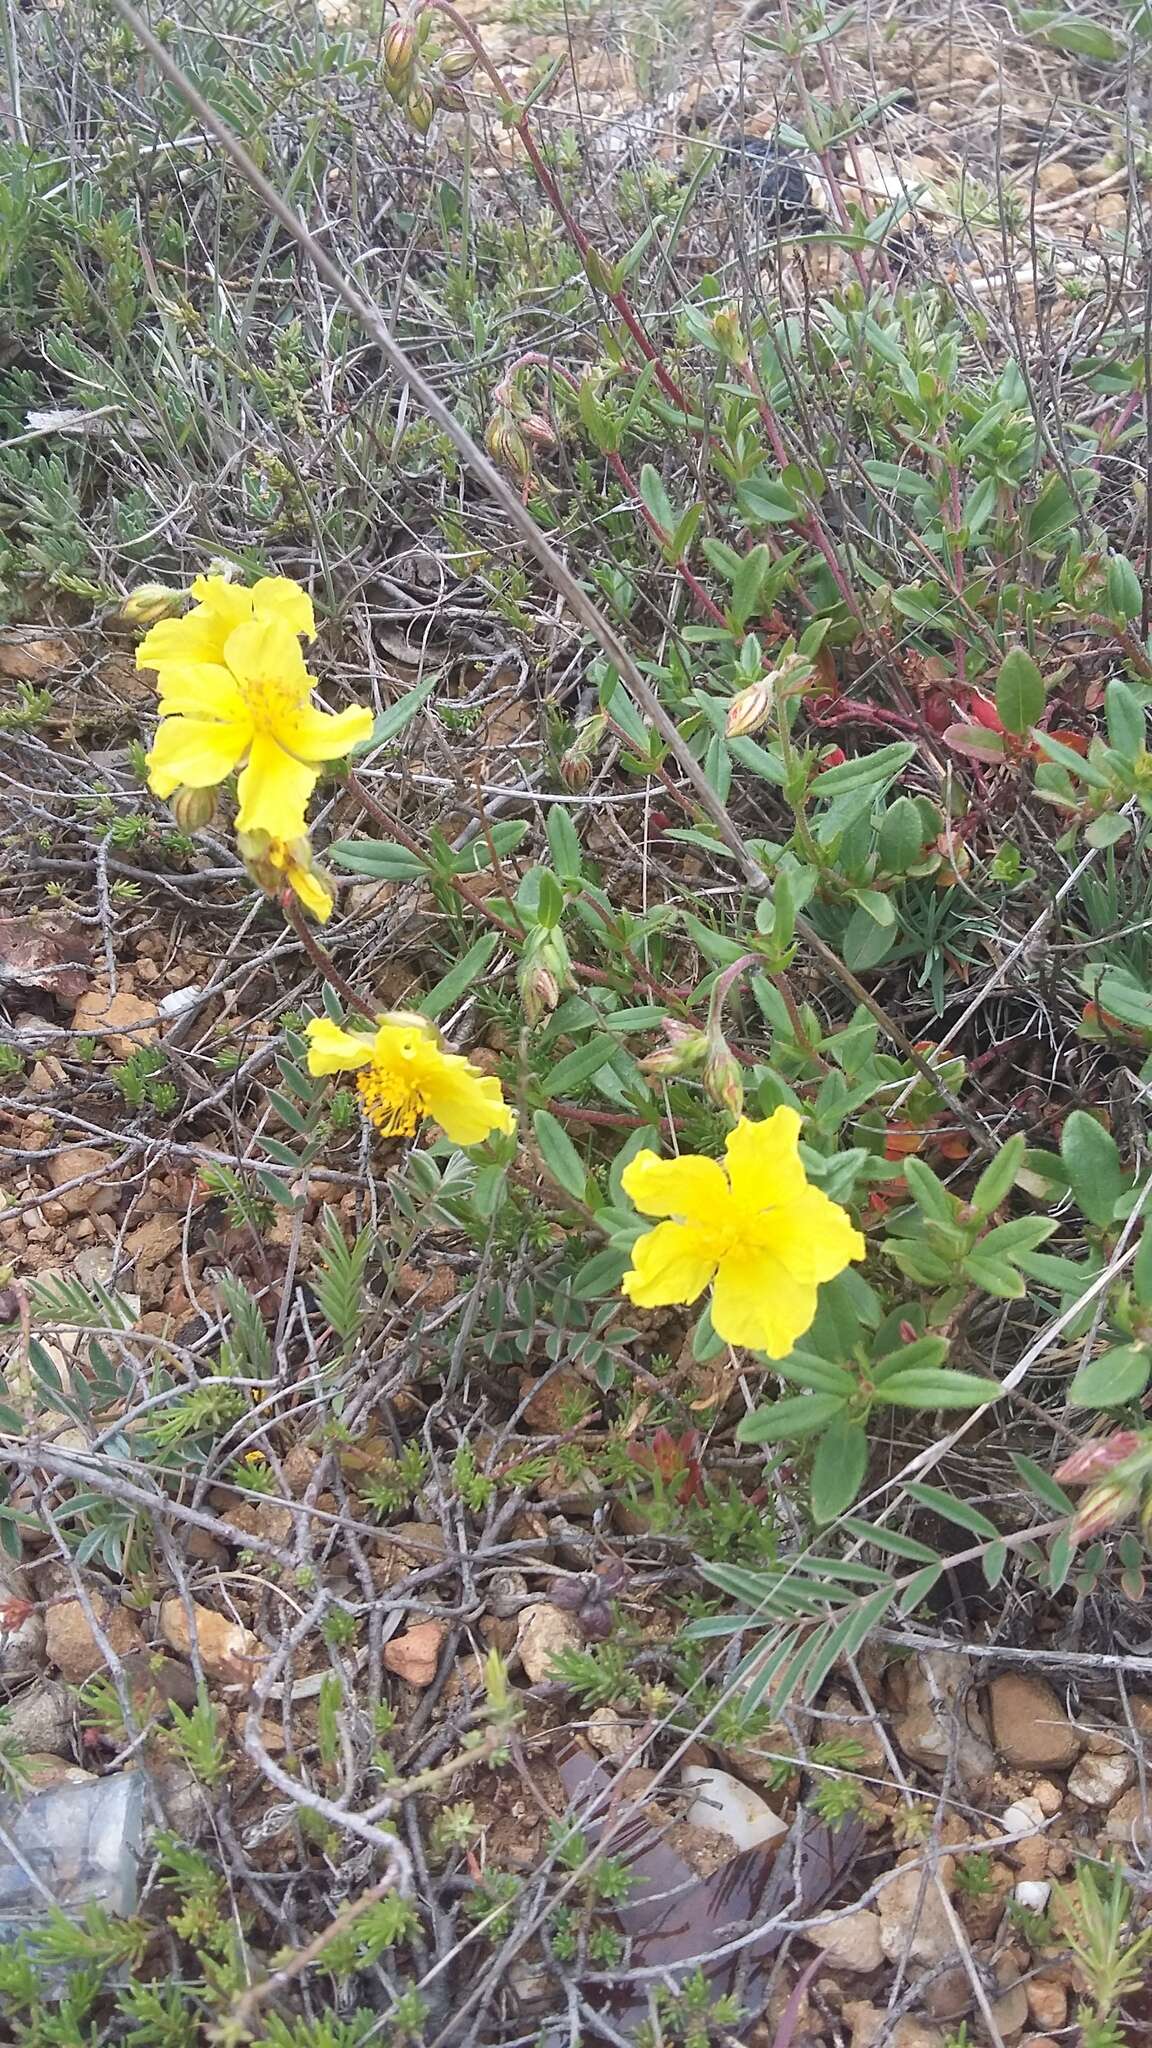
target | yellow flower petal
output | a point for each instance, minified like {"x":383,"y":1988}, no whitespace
{"x":274,"y":791}
{"x":326,"y":735}
{"x":306,"y":884}
{"x":467,"y":1105}
{"x":196,"y":751}
{"x":277,"y":597}
{"x":201,"y":689}
{"x":691,"y":1187}
{"x":332,"y":1050}
{"x":763,"y":1162}
{"x":267,"y":662}
{"x":198,"y":636}
{"x":226,"y":605}
{"x":759,"y":1303}
{"x":813,"y":1236}
{"x":672,"y":1263}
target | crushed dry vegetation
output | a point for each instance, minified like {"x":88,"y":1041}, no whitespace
{"x":517,"y":1552}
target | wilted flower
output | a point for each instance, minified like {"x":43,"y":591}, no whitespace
{"x":722,"y":1078}
{"x":276,"y":864}
{"x":1099,"y":1454}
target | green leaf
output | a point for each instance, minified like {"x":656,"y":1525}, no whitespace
{"x":599,"y":1275}
{"x":901,"y":835}
{"x":1127,"y":724}
{"x":1074,"y":763}
{"x":848,"y":1636}
{"x":797,"y":1415}
{"x":838,"y":1468}
{"x":449,"y":989}
{"x":579,"y":1066}
{"x":866,"y":769}
{"x":890,"y":1540}
{"x":998,"y":1179}
{"x":993,"y":1562}
{"x":928,"y":1191}
{"x":1112,"y":1380}
{"x":564,"y":843}
{"x":560,"y":1155}
{"x":1108,"y":830}
{"x":1125,"y":597}
{"x":995,"y":1276}
{"x":1042,"y":1484}
{"x":1019,"y":692}
{"x":1095,"y":1174}
{"x":817,"y":1373}
{"x":922,"y":1352}
{"x":918,"y":1588}
{"x":767,"y":502}
{"x":942,"y":1388}
{"x":381,"y":859}
{"x":953,"y":1510}
{"x":1061,"y":1559}
{"x":656,"y":499}
{"x":393,"y":721}
{"x":501,"y":838}
{"x":1072,"y":33}
{"x":976,"y":742}
{"x":865,"y":943}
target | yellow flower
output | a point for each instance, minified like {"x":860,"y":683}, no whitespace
{"x":276,"y":863}
{"x":758,"y":1232}
{"x":403,"y":1075}
{"x":234,"y":690}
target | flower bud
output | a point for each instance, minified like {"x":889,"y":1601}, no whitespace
{"x":1098,"y":1455}
{"x":539,"y":990}
{"x":750,"y":708}
{"x":682,"y":1056}
{"x":400,"y":49}
{"x":507,"y":446}
{"x":459,"y":63}
{"x":152,"y":601}
{"x":448,"y":97}
{"x":420,"y":109}
{"x":723,"y":1081}
{"x":1103,"y":1506}
{"x":576,"y":761}
{"x":193,"y":809}
{"x":728,"y":334}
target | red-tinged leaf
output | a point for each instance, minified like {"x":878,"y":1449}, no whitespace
{"x":976,"y":742}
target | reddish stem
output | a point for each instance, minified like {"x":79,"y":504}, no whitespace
{"x":704,"y":602}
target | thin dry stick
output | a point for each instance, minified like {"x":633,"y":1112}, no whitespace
{"x":557,"y":570}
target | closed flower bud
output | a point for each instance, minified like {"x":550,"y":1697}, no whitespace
{"x":723,"y":1081}
{"x":539,"y":990}
{"x":458,"y":63}
{"x":1100,"y":1454}
{"x":507,"y":446}
{"x":750,"y":708}
{"x":400,"y":49}
{"x":449,"y":98}
{"x":1102,"y":1507}
{"x":150,"y":602}
{"x":420,"y":109}
{"x":728,"y":334}
{"x":683,"y":1055}
{"x":193,"y":809}
{"x":576,"y":761}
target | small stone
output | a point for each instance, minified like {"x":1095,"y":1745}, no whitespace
{"x":941,"y":1720}
{"x":43,"y":1770}
{"x":84,"y":1162}
{"x":1023,"y":1817}
{"x":228,"y":1651}
{"x":1033,"y":1893}
{"x":123,"y":1021}
{"x":720,"y":1801}
{"x":851,"y":1942}
{"x":299,"y":1468}
{"x":868,"y":2022}
{"x":1129,"y":1820}
{"x":73,"y":1648}
{"x":407,"y":1548}
{"x":1048,"y":1796}
{"x":1030,"y":1726}
{"x":415,"y":1655}
{"x":542,"y":1632}
{"x":42,"y":1720}
{"x":1010,"y":2010}
{"x":914,"y":1923}
{"x":1099,"y":1780}
{"x":1056,"y":180}
{"x":610,"y":1733}
{"x":1047,"y":2003}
